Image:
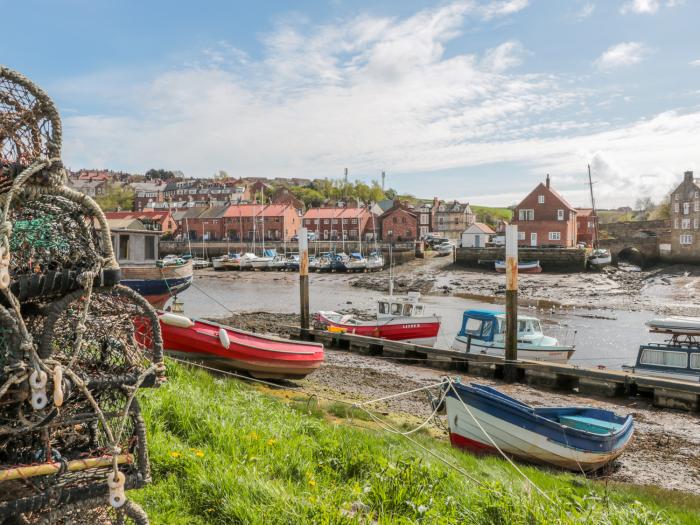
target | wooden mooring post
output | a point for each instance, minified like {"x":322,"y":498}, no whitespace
{"x":304,"y":282}
{"x":510,"y":369}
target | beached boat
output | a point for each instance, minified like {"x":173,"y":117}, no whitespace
{"x":321,"y":263}
{"x":573,"y":438}
{"x":600,"y":257}
{"x":292,"y":262}
{"x":676,"y":358}
{"x":198,"y":263}
{"x":157,"y":284}
{"x":356,"y":263}
{"x":523,"y":266}
{"x":375,"y":261}
{"x":338,"y":262}
{"x":246,"y":261}
{"x":224,"y":347}
{"x":484,"y":331}
{"x":263,"y":262}
{"x":444,"y":248}
{"x":399,"y":318}
{"x":231,"y":262}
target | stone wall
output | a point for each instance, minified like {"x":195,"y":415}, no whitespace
{"x":551,"y":259}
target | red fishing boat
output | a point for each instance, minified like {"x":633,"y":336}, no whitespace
{"x":220,"y":346}
{"x":399,"y":318}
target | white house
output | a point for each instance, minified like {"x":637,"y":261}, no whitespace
{"x":477,"y":235}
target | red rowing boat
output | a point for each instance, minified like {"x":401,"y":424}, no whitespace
{"x":264,"y":357}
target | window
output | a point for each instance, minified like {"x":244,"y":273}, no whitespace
{"x":418,"y":310}
{"x":424,"y":218}
{"x":383,"y":308}
{"x":150,"y":247}
{"x":403,"y":220}
{"x":697,"y":206}
{"x":407,"y":310}
{"x":521,"y":236}
{"x":560,"y":215}
{"x":317,"y":221}
{"x":664,"y":358}
{"x":526,"y":215}
{"x":390,"y":233}
{"x":695,"y":223}
{"x":335,"y":221}
{"x":555,"y":236}
{"x":685,"y":224}
{"x":394,"y":220}
{"x":473,"y":326}
{"x":686,"y":208}
{"x":675,"y":223}
{"x":354,"y":221}
{"x":677,"y":196}
{"x":123,"y":247}
{"x":540,"y":199}
{"x":686,"y":239}
{"x":326,"y":221}
{"x":695,"y":360}
{"x":395,"y":308}
{"x":676,"y":206}
{"x":590,"y":225}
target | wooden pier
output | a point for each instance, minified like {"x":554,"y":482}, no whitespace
{"x":665,"y":393}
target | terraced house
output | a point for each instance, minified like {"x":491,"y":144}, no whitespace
{"x":685,"y":218}
{"x":450,"y":219}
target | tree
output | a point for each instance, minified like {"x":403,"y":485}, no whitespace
{"x":117,"y":197}
{"x":159,"y":174}
{"x":221,"y":175}
{"x":662,"y":211}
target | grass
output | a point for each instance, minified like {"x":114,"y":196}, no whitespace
{"x":222,"y":452}
{"x":491,"y":214}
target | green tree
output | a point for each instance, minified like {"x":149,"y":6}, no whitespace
{"x":117,"y":197}
{"x":159,"y":174}
{"x":221,"y":175}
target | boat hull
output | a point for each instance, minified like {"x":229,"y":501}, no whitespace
{"x":157,"y":284}
{"x":692,"y":378}
{"x":556,"y":354}
{"x":260,"y":356}
{"x":523,"y":267}
{"x":519,"y":432}
{"x":415,"y":330}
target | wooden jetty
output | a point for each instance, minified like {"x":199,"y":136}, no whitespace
{"x":666,"y":393}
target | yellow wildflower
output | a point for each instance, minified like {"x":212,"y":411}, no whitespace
{"x":312,"y":482}
{"x":199,"y":453}
{"x":271,"y":441}
{"x":253,"y":435}
{"x":175,"y":454}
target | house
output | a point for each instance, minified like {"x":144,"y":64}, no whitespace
{"x":161,"y":221}
{"x":685,"y":219}
{"x":477,"y":235}
{"x":399,"y":223}
{"x":545,"y":218}
{"x":334,"y":223}
{"x":284,"y":196}
{"x":271,"y":222}
{"x":586,"y":225}
{"x":90,"y":187}
{"x":450,"y":219}
{"x":425,"y":219}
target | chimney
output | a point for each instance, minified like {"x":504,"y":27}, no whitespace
{"x":688,"y":176}
{"x":547,"y":183}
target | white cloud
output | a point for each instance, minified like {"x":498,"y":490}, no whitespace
{"x":695,"y":63}
{"x":647,"y":7}
{"x":502,"y":8}
{"x":623,"y":54}
{"x":585,"y":11}
{"x":368,"y":93}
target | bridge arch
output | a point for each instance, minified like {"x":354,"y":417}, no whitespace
{"x":631,"y":255}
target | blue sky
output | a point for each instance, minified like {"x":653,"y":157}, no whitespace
{"x":475,"y":100}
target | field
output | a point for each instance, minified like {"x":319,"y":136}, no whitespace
{"x":225,"y":452}
{"x":491,"y":215}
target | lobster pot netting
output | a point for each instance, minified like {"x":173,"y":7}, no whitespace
{"x":74,"y":345}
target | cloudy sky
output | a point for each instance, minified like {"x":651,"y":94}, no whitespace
{"x":475,"y":100}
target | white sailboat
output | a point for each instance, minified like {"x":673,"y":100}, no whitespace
{"x":375,"y":260}
{"x":599,"y":257}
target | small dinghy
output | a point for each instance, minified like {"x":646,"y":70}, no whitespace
{"x":523,"y":267}
{"x":220,"y":346}
{"x":573,"y":438}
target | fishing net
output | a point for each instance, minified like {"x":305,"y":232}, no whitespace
{"x":75,"y":346}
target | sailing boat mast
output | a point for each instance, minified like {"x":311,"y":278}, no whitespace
{"x":262,"y":220}
{"x":595,"y":215}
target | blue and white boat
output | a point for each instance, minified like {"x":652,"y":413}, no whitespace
{"x":356,"y":263}
{"x":573,"y":438}
{"x":676,"y":358}
{"x":484,"y":332}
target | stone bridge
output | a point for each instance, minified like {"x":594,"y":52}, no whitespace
{"x":637,"y":242}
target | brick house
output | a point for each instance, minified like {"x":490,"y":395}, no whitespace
{"x":425,"y":220}
{"x":451,"y":218}
{"x":545,"y":218}
{"x":284,"y":196}
{"x":586,"y":224}
{"x":278,"y":222}
{"x":336,"y":223}
{"x":399,"y":223}
{"x":685,"y":219}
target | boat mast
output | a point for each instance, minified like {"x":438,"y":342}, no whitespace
{"x":262,"y":221}
{"x":187,"y":226}
{"x":342,"y":230}
{"x":391,"y":270}
{"x":595,"y":216}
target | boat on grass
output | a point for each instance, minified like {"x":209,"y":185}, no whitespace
{"x":225,"y":347}
{"x":523,"y":266}
{"x":572,"y":438}
{"x":399,"y":318}
{"x":484,"y":331}
{"x":676,"y":358}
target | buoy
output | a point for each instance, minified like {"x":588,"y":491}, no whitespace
{"x":115,"y":481}
{"x":176,"y":320}
{"x":223,"y":337}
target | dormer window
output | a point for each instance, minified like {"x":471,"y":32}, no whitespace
{"x":540,"y":199}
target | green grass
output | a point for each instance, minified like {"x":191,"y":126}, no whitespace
{"x":491,"y":215}
{"x":223,"y":452}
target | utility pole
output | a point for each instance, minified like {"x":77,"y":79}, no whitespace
{"x":346,"y":175}
{"x":383,"y":179}
{"x":510,"y":371}
{"x":304,"y":282}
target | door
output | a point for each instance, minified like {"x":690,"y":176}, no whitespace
{"x":533,"y":239}
{"x":477,"y":241}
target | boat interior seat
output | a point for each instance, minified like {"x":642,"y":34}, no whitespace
{"x":589,"y":424}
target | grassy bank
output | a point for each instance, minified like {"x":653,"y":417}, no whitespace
{"x":224,"y":452}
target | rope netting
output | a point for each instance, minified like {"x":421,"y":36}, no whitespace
{"x":75,"y":346}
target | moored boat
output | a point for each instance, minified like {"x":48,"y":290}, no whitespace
{"x":573,"y":438}
{"x":356,"y":263}
{"x":292,"y":263}
{"x":338,"y":262}
{"x":599,"y":257}
{"x":375,"y":261}
{"x":158,"y":284}
{"x":399,"y":318}
{"x":523,"y":266}
{"x":483,"y":332}
{"x":246,"y":261}
{"x":198,"y":263}
{"x":676,"y":358}
{"x":225,"y":347}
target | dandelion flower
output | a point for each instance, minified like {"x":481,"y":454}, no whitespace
{"x":271,"y":441}
{"x":253,"y":435}
{"x":175,"y":454}
{"x":199,"y":453}
{"x":312,"y":482}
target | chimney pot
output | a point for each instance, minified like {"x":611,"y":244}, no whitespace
{"x":548,"y":180}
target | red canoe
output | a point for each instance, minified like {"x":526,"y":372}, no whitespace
{"x":226,"y":347}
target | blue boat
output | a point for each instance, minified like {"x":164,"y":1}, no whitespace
{"x":158,"y":284}
{"x":573,"y":438}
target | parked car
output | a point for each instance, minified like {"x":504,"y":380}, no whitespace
{"x":309,"y":235}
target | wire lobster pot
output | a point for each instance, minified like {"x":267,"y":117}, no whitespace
{"x":75,"y":346}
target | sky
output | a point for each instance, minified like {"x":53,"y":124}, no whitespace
{"x":474,"y":100}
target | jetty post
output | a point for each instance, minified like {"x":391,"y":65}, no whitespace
{"x":510,"y":369}
{"x":304,"y":281}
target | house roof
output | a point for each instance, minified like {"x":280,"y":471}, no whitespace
{"x":153,"y":215}
{"x":336,"y":213}
{"x":542,"y":187}
{"x":386,"y":204}
{"x":584,"y":212}
{"x":480,"y":227}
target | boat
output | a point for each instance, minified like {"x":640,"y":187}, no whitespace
{"x":321,"y":263}
{"x":292,"y":262}
{"x":375,"y":261}
{"x":198,"y":263}
{"x":231,"y":262}
{"x":484,"y":331}
{"x":573,"y":438}
{"x":356,"y":263}
{"x":263,"y":263}
{"x":278,"y":262}
{"x":217,"y":263}
{"x":676,"y":358}
{"x":445,"y":248}
{"x":599,"y":257}
{"x":170,"y":260}
{"x":338,"y":262}
{"x":523,"y":266}
{"x":225,"y":347}
{"x":398,"y":318}
{"x":246,"y":261}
